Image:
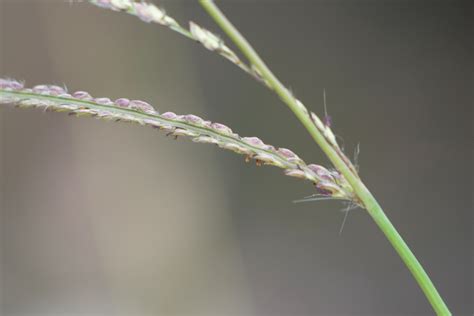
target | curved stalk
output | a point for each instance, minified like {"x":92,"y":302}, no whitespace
{"x":330,"y":183}
{"x":150,"y":13}
{"x":336,"y":156}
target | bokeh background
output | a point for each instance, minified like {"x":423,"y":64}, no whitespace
{"x":112,"y":219}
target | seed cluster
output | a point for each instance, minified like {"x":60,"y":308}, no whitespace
{"x":80,"y":103}
{"x":150,"y":13}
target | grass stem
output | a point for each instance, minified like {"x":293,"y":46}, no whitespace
{"x":367,"y":199}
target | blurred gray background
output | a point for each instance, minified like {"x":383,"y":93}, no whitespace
{"x":113,"y":219}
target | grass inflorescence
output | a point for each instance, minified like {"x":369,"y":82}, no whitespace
{"x":342,"y":183}
{"x":54,"y":98}
{"x":150,"y":13}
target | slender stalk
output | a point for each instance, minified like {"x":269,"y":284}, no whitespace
{"x":80,"y":103}
{"x":150,"y":13}
{"x":367,"y":199}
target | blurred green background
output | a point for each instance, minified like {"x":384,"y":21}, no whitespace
{"x":114,"y":219}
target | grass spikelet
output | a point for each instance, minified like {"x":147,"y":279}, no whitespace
{"x":150,"y":13}
{"x":81,"y":103}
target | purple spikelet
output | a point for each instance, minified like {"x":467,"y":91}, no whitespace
{"x":81,"y":103}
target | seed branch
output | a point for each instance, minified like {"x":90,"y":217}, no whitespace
{"x":150,"y":13}
{"x":80,"y":103}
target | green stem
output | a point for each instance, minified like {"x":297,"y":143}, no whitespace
{"x":372,"y":206}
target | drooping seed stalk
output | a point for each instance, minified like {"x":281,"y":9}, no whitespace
{"x":336,"y":156}
{"x":150,"y":13}
{"x":329,"y":183}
